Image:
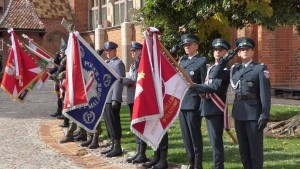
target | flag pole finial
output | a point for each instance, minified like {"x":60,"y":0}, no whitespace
{"x":70,"y":27}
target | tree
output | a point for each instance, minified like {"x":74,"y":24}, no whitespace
{"x":210,"y":19}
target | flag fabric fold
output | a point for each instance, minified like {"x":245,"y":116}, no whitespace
{"x":159,"y":87}
{"x":98,"y":79}
{"x":44,"y":62}
{"x":20,"y":70}
{"x":74,"y":76}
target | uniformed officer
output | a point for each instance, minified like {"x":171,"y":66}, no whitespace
{"x":251,"y":107}
{"x":61,"y":75}
{"x":189,"y":116}
{"x":113,"y":104}
{"x":209,"y":109}
{"x":130,"y":82}
{"x":53,"y":73}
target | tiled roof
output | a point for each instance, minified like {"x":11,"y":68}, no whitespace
{"x":53,"y":9}
{"x":20,"y":15}
{"x":27,"y":14}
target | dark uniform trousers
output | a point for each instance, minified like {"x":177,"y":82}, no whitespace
{"x":189,"y":117}
{"x":112,"y":121}
{"x":251,"y":144}
{"x":215,"y":124}
{"x":163,"y":145}
{"x":190,"y":123}
{"x":216,"y":82}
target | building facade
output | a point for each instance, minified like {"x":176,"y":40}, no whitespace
{"x":111,"y":20}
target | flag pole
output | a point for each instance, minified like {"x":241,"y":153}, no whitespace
{"x":187,"y":78}
{"x":232,"y":137}
{"x":29,"y":39}
{"x":190,"y":82}
{"x":41,"y":56}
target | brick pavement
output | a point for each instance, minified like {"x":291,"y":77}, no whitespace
{"x":51,"y":133}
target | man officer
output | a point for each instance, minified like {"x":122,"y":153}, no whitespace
{"x":215,"y":89}
{"x":53,"y":75}
{"x":251,"y":106}
{"x":130,"y":82}
{"x":190,"y":120}
{"x":113,"y":104}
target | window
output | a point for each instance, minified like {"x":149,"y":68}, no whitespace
{"x":119,"y":11}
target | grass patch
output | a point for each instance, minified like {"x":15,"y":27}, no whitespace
{"x":279,"y":153}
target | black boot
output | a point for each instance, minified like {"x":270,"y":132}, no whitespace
{"x":65,"y":123}
{"x":110,"y":148}
{"x":76,"y":132}
{"x":95,"y":142}
{"x":88,"y":141}
{"x":57,"y":113}
{"x":162,"y":163}
{"x":198,"y":164}
{"x":82,"y":135}
{"x":61,"y":116}
{"x":68,"y":138}
{"x":141,"y":158}
{"x":153,"y":161}
{"x":129,"y":159}
{"x":191,"y":162}
{"x":59,"y":108}
{"x":116,"y":151}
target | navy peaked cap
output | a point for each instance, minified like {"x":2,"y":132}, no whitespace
{"x":189,"y":38}
{"x":110,"y":45}
{"x":136,"y":45}
{"x":244,"y":41}
{"x":219,"y":42}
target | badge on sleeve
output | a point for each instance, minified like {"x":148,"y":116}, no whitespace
{"x":267,"y":74}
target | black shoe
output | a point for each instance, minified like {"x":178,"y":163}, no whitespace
{"x":61,"y":116}
{"x":81,"y":137}
{"x":57,"y":113}
{"x":88,"y":141}
{"x":67,"y":139}
{"x":130,"y":159}
{"x":107,"y":151}
{"x":140,"y":159}
{"x":63,"y":125}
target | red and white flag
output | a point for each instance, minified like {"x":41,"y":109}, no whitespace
{"x":20,"y":70}
{"x":44,"y":59}
{"x":159,"y":91}
{"x":74,"y":76}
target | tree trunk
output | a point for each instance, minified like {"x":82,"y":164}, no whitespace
{"x":285,"y":128}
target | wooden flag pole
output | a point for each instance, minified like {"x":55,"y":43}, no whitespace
{"x":26,"y":37}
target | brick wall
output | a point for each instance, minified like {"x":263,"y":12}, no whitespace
{"x":80,"y":10}
{"x":278,"y":49}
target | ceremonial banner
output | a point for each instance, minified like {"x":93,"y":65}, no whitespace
{"x":20,"y":70}
{"x":158,"y":84}
{"x":98,"y":77}
{"x":75,"y":94}
{"x":44,"y":60}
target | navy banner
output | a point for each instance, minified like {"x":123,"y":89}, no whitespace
{"x":99,"y":79}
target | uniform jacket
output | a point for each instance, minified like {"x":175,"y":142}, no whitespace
{"x":217,"y":85}
{"x":116,"y":94}
{"x":130,"y":81}
{"x":196,"y":69}
{"x":252,"y":80}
